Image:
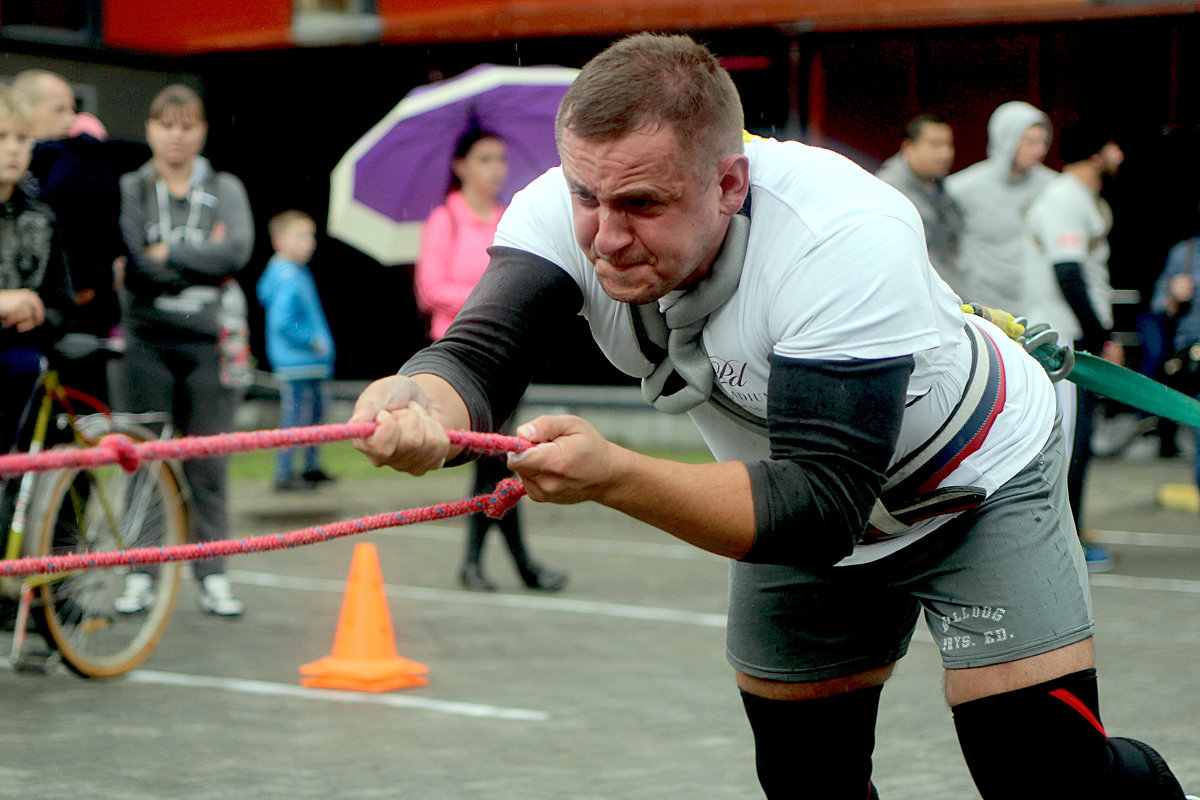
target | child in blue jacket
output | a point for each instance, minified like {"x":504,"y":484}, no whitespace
{"x":299,"y":342}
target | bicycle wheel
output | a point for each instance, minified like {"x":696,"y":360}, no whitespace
{"x":94,"y":510}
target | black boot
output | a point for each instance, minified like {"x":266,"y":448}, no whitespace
{"x":471,"y":577}
{"x":533,"y":574}
{"x":542,"y":578}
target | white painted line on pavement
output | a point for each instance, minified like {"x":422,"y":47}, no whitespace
{"x":446,"y":532}
{"x":451,"y":532}
{"x":616,"y":610}
{"x":567,"y":605}
{"x":1140,"y":539}
{"x":267,"y":688}
{"x":1112,"y":581}
{"x":650,"y":613}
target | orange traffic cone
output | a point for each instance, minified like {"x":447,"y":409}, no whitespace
{"x":364,"y":649}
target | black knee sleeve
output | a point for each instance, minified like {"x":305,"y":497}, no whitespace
{"x":819,"y":749}
{"x":1047,"y":741}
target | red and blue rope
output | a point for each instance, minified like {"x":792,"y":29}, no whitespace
{"x":130,"y":455}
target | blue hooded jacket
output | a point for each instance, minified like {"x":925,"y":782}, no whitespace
{"x":299,"y":342}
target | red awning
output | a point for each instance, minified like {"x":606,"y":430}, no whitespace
{"x":432,"y":20}
{"x":216,"y":25}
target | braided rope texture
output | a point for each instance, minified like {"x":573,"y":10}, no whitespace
{"x":495,"y":505}
{"x":119,"y":449}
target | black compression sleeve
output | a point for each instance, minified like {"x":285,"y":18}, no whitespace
{"x":492,"y":348}
{"x":1074,"y":289}
{"x":833,"y":428}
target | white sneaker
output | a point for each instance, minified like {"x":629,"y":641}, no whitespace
{"x":137,"y":596}
{"x":216,"y":597}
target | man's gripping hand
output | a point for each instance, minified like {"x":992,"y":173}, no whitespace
{"x":409,"y":437}
{"x":570,"y":462}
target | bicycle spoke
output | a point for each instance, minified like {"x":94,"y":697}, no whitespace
{"x":105,"y":509}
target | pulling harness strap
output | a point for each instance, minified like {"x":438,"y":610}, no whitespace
{"x":911,"y":494}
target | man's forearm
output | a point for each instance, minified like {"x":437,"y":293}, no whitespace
{"x":706,"y":505}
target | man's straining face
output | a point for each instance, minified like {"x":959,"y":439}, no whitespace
{"x":647,"y":224}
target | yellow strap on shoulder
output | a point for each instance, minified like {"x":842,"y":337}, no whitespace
{"x":1001,"y":319}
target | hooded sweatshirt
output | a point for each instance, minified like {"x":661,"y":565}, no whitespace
{"x":996,"y":246}
{"x":298,"y":339}
{"x":179,"y":300}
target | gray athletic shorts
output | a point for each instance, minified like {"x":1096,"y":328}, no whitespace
{"x":999,"y":583}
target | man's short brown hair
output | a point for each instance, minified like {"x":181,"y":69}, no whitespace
{"x":279,"y":223}
{"x":916,"y":125}
{"x":649,"y":79}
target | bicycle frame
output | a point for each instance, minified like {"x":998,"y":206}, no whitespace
{"x":86,"y":430}
{"x":47,"y":382}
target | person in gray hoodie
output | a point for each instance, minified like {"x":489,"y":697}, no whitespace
{"x":188,"y":230}
{"x":994,"y":194}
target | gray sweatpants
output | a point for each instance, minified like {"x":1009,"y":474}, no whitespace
{"x":183,"y":379}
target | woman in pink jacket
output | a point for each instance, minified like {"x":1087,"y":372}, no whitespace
{"x":453,"y":258}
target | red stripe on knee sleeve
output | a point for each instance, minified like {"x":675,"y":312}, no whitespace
{"x":1077,"y":704}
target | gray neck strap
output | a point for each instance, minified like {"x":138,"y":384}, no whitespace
{"x":679,"y":330}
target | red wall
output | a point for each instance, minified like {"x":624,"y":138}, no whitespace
{"x":157,"y":26}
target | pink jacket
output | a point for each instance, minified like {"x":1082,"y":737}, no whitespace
{"x":453,"y":257}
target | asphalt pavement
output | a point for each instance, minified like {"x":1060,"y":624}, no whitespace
{"x":614,"y":689}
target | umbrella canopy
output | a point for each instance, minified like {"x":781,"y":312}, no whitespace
{"x":384,"y":187}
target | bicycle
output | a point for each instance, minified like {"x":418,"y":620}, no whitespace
{"x":90,"y":510}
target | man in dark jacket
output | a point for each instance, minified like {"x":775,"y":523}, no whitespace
{"x":76,"y":177}
{"x":919,"y":171}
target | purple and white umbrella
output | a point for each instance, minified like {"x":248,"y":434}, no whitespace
{"x":384,"y":187}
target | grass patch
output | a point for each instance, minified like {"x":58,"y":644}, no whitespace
{"x":341,"y":460}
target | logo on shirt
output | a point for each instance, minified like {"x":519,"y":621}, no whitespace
{"x":732,"y":375}
{"x":729,"y":372}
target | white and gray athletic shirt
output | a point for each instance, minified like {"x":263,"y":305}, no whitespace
{"x":1070,"y":224}
{"x":836,"y":269}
